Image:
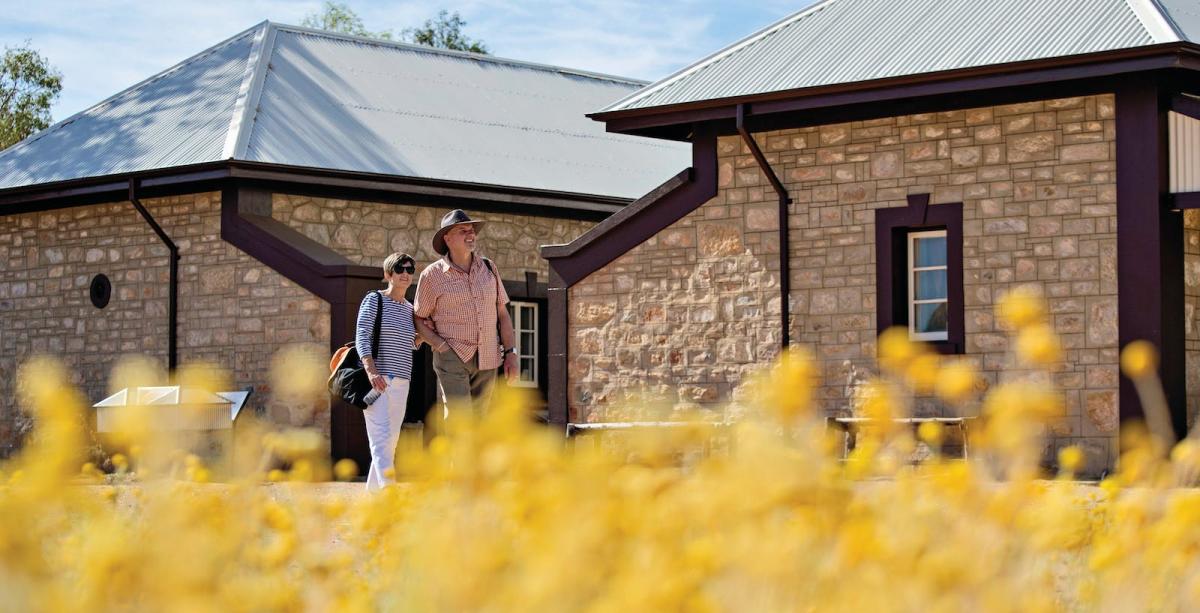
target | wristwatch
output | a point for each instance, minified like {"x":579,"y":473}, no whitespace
{"x":507,"y":350}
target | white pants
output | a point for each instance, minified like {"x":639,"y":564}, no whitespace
{"x":384,"y":418}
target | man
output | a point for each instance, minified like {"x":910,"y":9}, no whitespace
{"x":462,"y":296}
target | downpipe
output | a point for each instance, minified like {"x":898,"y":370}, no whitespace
{"x":785,"y":275}
{"x":173,"y":298}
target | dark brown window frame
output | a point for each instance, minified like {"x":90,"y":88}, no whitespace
{"x":892,"y":227}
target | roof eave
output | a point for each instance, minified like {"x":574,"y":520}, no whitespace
{"x":206,"y":176}
{"x":651,"y":121}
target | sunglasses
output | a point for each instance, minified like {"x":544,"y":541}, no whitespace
{"x":409,"y":268}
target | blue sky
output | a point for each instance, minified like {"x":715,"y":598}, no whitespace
{"x":103,"y":47}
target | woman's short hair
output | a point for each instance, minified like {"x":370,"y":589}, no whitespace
{"x":392,"y":261}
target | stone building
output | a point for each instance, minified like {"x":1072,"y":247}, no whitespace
{"x":281,"y":166}
{"x":1045,"y":142}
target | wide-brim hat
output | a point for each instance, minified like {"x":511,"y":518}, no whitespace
{"x":457,"y":217}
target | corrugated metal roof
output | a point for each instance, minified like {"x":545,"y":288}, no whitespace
{"x":177,"y":117}
{"x":354,"y":104}
{"x":309,"y":98}
{"x":847,"y":41}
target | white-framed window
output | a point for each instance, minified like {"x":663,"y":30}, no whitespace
{"x":928,"y":292}
{"x":525,"y":317}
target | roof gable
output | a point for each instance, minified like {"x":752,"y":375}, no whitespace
{"x":308,"y":98}
{"x":354,"y":104}
{"x":175,"y":118}
{"x":848,"y":41}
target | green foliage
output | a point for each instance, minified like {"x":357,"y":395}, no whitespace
{"x":340,"y":18}
{"x":28,"y":86}
{"x":443,"y":32}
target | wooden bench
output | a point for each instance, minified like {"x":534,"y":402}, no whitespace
{"x":851,"y":425}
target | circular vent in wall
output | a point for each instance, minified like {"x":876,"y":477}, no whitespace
{"x":101,"y":291}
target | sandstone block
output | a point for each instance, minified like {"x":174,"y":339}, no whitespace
{"x":724,"y":174}
{"x":1030,"y":147}
{"x":809,"y":173}
{"x":678,"y":237}
{"x":835,"y":135}
{"x":719,"y":239}
{"x":1102,"y":321}
{"x":762,"y":219}
{"x":885,"y":164}
{"x":916,"y":152}
{"x":593,"y":312}
{"x":1101,"y":409}
{"x":963,"y":157}
{"x":1088,"y":152}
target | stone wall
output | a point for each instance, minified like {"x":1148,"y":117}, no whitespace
{"x":1191,"y":309}
{"x":367,"y":232}
{"x":1037,"y":183}
{"x":233,"y":311}
{"x":678,"y":320}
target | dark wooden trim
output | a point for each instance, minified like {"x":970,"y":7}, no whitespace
{"x":387,"y":188}
{"x":1186,"y":105}
{"x":642,"y":219}
{"x":153,"y":184}
{"x":892,"y":226}
{"x":172,"y":277}
{"x":1149,"y":245}
{"x":247,"y":225}
{"x":557,"y":355}
{"x":758,"y":121}
{"x":1182,"y":201}
{"x":310,"y":181}
{"x":785,"y":251}
{"x":637,"y":207}
{"x":949,"y":82}
{"x":606,"y":242}
{"x":756,"y":151}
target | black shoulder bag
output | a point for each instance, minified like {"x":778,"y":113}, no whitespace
{"x":349,"y":380}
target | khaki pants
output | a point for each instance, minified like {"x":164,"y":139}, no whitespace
{"x":462,"y":385}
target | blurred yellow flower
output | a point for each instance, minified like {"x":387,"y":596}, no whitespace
{"x":1020,"y":307}
{"x":1071,"y":459}
{"x":931,"y":433}
{"x":345,"y":469}
{"x":504,"y":514}
{"x":1139,"y":360}
{"x":1038,"y":345}
{"x":957,"y":382}
{"x":896,"y":350}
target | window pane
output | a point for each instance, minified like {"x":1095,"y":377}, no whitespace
{"x":929,"y":252}
{"x":527,"y":373}
{"x":527,"y":347}
{"x":931,"y":285}
{"x":527,"y":318}
{"x":930,"y":318}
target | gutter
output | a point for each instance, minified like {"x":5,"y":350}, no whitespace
{"x":173,"y":298}
{"x":785,"y":273}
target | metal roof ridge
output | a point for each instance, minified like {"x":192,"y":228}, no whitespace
{"x":460,"y":54}
{"x":1166,"y":18}
{"x":245,"y":108}
{"x":714,"y":57}
{"x":113,"y":98}
{"x":1155,"y":20}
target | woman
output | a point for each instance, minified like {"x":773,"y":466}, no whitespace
{"x":390,"y":370}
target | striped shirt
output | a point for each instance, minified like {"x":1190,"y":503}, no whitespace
{"x":463,"y":306}
{"x":396,"y":334}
